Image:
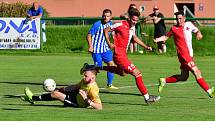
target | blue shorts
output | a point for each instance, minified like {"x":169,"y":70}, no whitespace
{"x":98,"y":58}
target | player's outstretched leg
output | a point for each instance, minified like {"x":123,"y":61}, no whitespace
{"x":163,"y":81}
{"x":113,"y":69}
{"x":140,"y":85}
{"x":202,"y":83}
{"x":28,"y":95}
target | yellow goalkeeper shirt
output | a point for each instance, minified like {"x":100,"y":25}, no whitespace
{"x":92,"y":94}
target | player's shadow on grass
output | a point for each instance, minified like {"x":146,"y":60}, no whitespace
{"x":44,"y":105}
{"x":38,"y":105}
{"x":30,"y":83}
{"x":19,"y":97}
{"x":120,"y":103}
{"x":126,"y":103}
{"x":11,"y":96}
{"x":119,"y":93}
{"x":180,"y":97}
{"x":11,"y":109}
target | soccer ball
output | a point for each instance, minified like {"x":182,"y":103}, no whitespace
{"x":49,"y":85}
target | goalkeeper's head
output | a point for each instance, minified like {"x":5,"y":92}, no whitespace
{"x":87,"y":67}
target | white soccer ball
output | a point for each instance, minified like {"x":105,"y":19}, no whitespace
{"x":49,"y":85}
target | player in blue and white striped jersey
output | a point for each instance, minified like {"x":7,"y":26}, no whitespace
{"x":98,"y":45}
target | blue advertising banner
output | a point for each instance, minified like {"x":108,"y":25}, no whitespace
{"x":18,"y":33}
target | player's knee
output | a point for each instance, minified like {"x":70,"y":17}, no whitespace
{"x":197,"y":73}
{"x":122,"y":73}
{"x":111,"y":63}
{"x":184,"y":78}
{"x":137,"y":73}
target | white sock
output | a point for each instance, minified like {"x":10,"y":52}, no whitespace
{"x":146,"y":96}
{"x":209,"y":91}
{"x":40,"y":97}
{"x":164,"y":81}
{"x":164,"y":48}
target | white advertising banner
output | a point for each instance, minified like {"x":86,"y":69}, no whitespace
{"x":18,"y":33}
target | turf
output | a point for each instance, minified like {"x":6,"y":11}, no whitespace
{"x":184,"y":101}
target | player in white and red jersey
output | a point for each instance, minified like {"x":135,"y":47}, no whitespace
{"x":123,"y":32}
{"x":182,"y":33}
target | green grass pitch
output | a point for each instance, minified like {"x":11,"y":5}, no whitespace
{"x":179,"y":102}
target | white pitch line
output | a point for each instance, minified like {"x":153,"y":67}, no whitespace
{"x":119,"y":87}
{"x":149,"y":85}
{"x":122,"y":87}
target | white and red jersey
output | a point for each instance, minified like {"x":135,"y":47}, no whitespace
{"x":122,"y":35}
{"x":183,"y":40}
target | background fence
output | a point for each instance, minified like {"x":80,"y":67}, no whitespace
{"x":70,"y":36}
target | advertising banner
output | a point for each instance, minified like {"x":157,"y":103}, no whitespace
{"x":19,"y":33}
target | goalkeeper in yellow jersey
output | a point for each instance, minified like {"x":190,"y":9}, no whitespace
{"x":83,"y":94}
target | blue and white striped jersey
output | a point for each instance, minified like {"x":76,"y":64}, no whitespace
{"x":98,"y":39}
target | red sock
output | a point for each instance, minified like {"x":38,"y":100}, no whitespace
{"x":140,"y":85}
{"x":203,"y":84}
{"x":171,"y":79}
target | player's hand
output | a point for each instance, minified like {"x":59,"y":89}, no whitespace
{"x":111,"y":45}
{"x":199,"y":36}
{"x":83,"y":94}
{"x":90,"y":49}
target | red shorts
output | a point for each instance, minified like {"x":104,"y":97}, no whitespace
{"x":187,"y":64}
{"x":121,"y":60}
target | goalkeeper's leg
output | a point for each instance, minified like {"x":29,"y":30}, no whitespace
{"x":28,"y":96}
{"x":43,"y":97}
